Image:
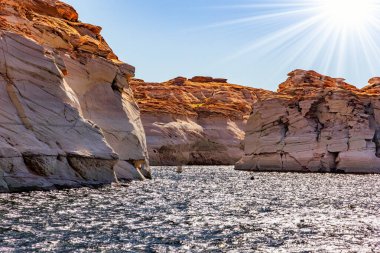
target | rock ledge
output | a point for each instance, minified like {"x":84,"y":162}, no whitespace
{"x":315,"y":123}
{"x":68,"y":117}
{"x":197,"y":121}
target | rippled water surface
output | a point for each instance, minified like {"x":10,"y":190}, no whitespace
{"x":205,"y":209}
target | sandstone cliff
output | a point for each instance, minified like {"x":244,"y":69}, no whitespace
{"x":199,"y":121}
{"x":68,"y":117}
{"x":315,"y":123}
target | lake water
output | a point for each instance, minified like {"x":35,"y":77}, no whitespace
{"x":204,"y":209}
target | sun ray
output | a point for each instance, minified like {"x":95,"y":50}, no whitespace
{"x":369,"y":48}
{"x":306,"y":48}
{"x":273,"y":40}
{"x":334,"y":36}
{"x":250,"y":19}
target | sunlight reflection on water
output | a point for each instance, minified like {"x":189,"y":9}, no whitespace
{"x":205,"y":208}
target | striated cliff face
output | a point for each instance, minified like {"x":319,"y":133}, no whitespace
{"x":315,"y":123}
{"x":198,"y":121}
{"x":68,"y":117}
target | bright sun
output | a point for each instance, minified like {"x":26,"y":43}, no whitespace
{"x":348,"y":13}
{"x":339,"y":37}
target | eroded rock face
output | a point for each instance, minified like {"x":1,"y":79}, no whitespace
{"x":199,"y":121}
{"x":315,"y":124}
{"x":68,"y":117}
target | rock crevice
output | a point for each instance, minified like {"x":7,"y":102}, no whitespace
{"x":61,"y":122}
{"x":197,"y":121}
{"x":331,"y":126}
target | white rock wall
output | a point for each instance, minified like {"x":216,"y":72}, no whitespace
{"x":61,"y":131}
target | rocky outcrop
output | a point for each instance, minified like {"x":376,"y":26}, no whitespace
{"x":315,"y":123}
{"x":199,"y":121}
{"x":68,"y":117}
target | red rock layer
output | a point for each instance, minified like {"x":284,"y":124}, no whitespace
{"x":54,"y":24}
{"x":196,"y":121}
{"x":196,"y":97}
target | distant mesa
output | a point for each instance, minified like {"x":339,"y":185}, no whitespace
{"x":207,"y":79}
{"x":180,"y":81}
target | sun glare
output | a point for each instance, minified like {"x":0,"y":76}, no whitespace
{"x":347,"y":13}
{"x":338,"y":37}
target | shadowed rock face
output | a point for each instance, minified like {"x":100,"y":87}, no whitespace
{"x":67,"y":117}
{"x":199,"y":121}
{"x":315,"y":123}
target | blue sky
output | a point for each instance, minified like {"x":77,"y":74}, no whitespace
{"x":250,"y":42}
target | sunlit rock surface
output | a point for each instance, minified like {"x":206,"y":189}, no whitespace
{"x":67,"y":117}
{"x":315,"y":123}
{"x":199,"y":121}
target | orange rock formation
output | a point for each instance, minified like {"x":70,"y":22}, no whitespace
{"x":315,"y":124}
{"x":195,"y":121}
{"x":55,"y":25}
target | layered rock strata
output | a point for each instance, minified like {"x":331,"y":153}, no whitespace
{"x":200,"y":121}
{"x":315,"y":123}
{"x":68,"y":117}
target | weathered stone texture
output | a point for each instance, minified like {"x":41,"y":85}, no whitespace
{"x":67,"y":114}
{"x":315,"y":124}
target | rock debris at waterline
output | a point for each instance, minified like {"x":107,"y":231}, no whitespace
{"x":68,"y":117}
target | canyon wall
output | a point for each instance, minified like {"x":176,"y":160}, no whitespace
{"x":315,"y":123}
{"x":197,"y":121}
{"x":68,"y":117}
